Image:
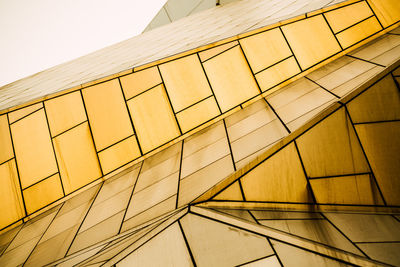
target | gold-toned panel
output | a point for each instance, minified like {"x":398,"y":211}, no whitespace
{"x":77,"y":158}
{"x":311,"y":40}
{"x":344,"y":17}
{"x":231,"y":78}
{"x":357,"y":190}
{"x":381,"y":143}
{"x":358,"y":32}
{"x":119,"y":154}
{"x":279,"y":178}
{"x":264,"y":49}
{"x":387,"y":11}
{"x":185,"y":81}
{"x":278,"y":73}
{"x":331,"y":148}
{"x":231,"y":193}
{"x":380,"y":102}
{"x":198,"y":114}
{"x":6,"y":151}
{"x":11,"y":205}
{"x":18,"y":114}
{"x":108,"y":115}
{"x":153,"y":118}
{"x":135,"y":83}
{"x":65,"y":112}
{"x":43,"y":193}
{"x":207,"y":54}
{"x":33,"y":148}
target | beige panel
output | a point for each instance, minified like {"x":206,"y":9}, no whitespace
{"x":11,"y":205}
{"x":311,"y":40}
{"x":198,"y":114}
{"x":185,"y":81}
{"x":199,"y":182}
{"x":271,"y":261}
{"x":157,"y":210}
{"x":378,"y":103}
{"x":108,"y":116}
{"x":43,"y":193}
{"x":358,"y":189}
{"x":317,"y":230}
{"x":138,"y":82}
{"x":65,"y":112}
{"x":216,"y":244}
{"x":231,"y":193}
{"x":382,"y":145}
{"x":231,"y":78}
{"x":264,"y":49}
{"x":331,"y":148}
{"x":33,"y":149}
{"x":279,"y":178}
{"x":291,"y":256}
{"x":166,"y":249}
{"x":278,"y":73}
{"x":18,"y":114}
{"x":358,"y":32}
{"x":153,"y":118}
{"x":119,"y":154}
{"x":207,"y":54}
{"x":387,"y":11}
{"x":6,"y":151}
{"x":77,"y":158}
{"x":366,"y":228}
{"x":384,"y":252}
{"x":257,"y":140}
{"x":152,"y":195}
{"x":344,"y":17}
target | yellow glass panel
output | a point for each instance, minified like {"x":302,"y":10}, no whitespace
{"x":153,"y":118}
{"x":185,"y":81}
{"x":264,"y":49}
{"x":331,"y":148}
{"x":387,"y":11}
{"x":18,"y":114}
{"x":198,"y":114}
{"x":381,"y":143}
{"x":278,"y":73}
{"x":231,"y":193}
{"x":135,"y":83}
{"x":357,"y":189}
{"x":108,"y":115}
{"x":358,"y":32}
{"x":6,"y":151}
{"x":43,"y":193}
{"x":33,"y":148}
{"x":311,"y":40}
{"x":231,"y":78}
{"x":65,"y":112}
{"x":207,"y":54}
{"x":344,"y":17}
{"x":279,"y":178}
{"x":77,"y":158}
{"x":11,"y":206}
{"x":119,"y":154}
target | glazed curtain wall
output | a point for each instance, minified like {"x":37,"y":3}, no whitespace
{"x":52,"y":148}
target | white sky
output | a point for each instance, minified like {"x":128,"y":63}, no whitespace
{"x":38,"y":34}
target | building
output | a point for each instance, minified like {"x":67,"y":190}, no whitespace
{"x":263,"y":133}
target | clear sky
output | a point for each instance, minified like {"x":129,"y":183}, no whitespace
{"x":38,"y":34}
